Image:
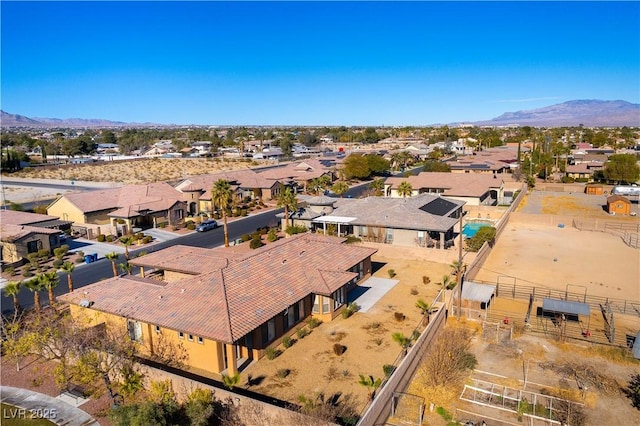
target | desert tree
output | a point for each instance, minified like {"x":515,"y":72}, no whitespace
{"x":12,"y":289}
{"x":405,"y":189}
{"x":289,"y":201}
{"x":113,"y":257}
{"x":35,"y":285}
{"x":448,"y":359}
{"x":69,"y":267}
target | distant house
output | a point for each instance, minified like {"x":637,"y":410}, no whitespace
{"x":301,"y":173}
{"x":12,"y":217}
{"x":474,"y":189}
{"x":244,"y":183}
{"x":492,"y":160}
{"x":424,"y":220}
{"x":18,"y":241}
{"x":226,"y":308}
{"x":582,"y":171}
{"x":618,"y":205}
{"x":144,"y":206}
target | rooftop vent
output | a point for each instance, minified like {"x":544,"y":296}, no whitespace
{"x":284,"y":261}
{"x":302,"y":252}
{"x":84,"y":303}
{"x":181,"y":290}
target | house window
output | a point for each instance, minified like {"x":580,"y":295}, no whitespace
{"x":34,"y":246}
{"x":157,"y":329}
{"x":200,"y":340}
{"x":325,"y":304}
{"x":181,"y":334}
{"x":389,"y":235}
{"x":338,"y":298}
{"x":316,"y":305}
{"x":135,"y":330}
{"x":269,"y":331}
{"x":191,"y":337}
{"x":289,"y":317}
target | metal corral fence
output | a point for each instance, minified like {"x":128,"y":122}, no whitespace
{"x":379,"y":409}
{"x":486,"y":248}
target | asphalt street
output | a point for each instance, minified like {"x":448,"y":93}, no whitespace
{"x":86,"y":274}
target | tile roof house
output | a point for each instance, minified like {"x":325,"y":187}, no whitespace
{"x":142,"y":206}
{"x":14,"y":217}
{"x":492,"y":160}
{"x":424,"y":220}
{"x":18,"y":241}
{"x":301,"y":173}
{"x":234,"y":305}
{"x":474,"y":189}
{"x":245,"y":183}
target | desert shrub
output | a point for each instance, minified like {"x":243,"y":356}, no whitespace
{"x":414,"y":291}
{"x":59,"y":252}
{"x":302,"y":333}
{"x":297,"y":229}
{"x":287,"y":342}
{"x":44,"y":253}
{"x":399,"y":316}
{"x":65,"y":247}
{"x":101,"y":238}
{"x":567,"y":179}
{"x":140,"y":235}
{"x":11,"y":271}
{"x":163,"y":225}
{"x":426,"y":279}
{"x":216,"y":216}
{"x":388,"y":369}
{"x":484,"y":234}
{"x":256,"y":243}
{"x":377,"y":341}
{"x":283,"y":372}
{"x":392,"y":273}
{"x":79,"y":259}
{"x":110,"y":238}
{"x":243,"y":212}
{"x":372,"y":325}
{"x":80,"y":253}
{"x":352,"y":239}
{"x":190,"y":226}
{"x":449,"y":358}
{"x":339,"y":349}
{"x":313,"y":322}
{"x":256,"y":234}
{"x":148,"y":239}
{"x":272,"y":235}
{"x":26,"y":270}
{"x":351,"y":309}
{"x":57,"y":263}
{"x":271,"y":353}
{"x":245,"y":237}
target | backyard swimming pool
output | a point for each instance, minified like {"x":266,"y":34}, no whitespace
{"x":471,"y":228}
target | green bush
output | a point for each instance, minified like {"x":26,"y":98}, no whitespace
{"x":297,"y":229}
{"x":101,"y":238}
{"x":216,"y":216}
{"x":302,"y":332}
{"x":313,"y":322}
{"x":80,"y":253}
{"x":44,"y":253}
{"x":567,"y":179}
{"x":190,"y":226}
{"x":163,"y":225}
{"x":26,"y":272}
{"x":350,"y":310}
{"x":287,"y":342}
{"x":351,"y":239}
{"x":57,"y":263}
{"x":110,"y":238}
{"x":484,"y":234}
{"x":272,"y":235}
{"x":59,"y":252}
{"x":388,"y":369}
{"x":147,"y":239}
{"x":271,"y":353}
{"x":256,"y":243}
{"x":11,"y":271}
{"x":243,"y":212}
{"x":392,"y":273}
{"x":245,"y":237}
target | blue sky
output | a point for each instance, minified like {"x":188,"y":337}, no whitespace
{"x":313,"y":63}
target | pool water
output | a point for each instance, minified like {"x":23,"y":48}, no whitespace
{"x":470,"y":229}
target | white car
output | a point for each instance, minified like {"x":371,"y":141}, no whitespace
{"x":207,"y":225}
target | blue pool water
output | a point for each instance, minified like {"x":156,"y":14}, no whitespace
{"x":470,"y":228}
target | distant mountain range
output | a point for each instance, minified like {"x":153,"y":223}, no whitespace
{"x":589,"y":113}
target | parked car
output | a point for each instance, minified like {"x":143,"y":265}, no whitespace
{"x":207,"y":225}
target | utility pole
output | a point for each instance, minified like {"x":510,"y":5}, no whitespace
{"x":459,"y":271}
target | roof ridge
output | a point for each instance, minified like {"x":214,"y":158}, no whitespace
{"x":226,"y":301}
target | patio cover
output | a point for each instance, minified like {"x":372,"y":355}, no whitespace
{"x":565,"y":307}
{"x":478,"y":292}
{"x":334,"y":219}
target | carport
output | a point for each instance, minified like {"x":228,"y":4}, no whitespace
{"x":561,"y":311}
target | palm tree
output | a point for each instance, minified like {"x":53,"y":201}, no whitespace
{"x":231,"y":381}
{"x":425,"y":308}
{"x":68,"y":267}
{"x":50,"y":280}
{"x":446,"y":281}
{"x":340,"y":188}
{"x":405,"y":189}
{"x":127,"y":241}
{"x":378,"y":186}
{"x":221,"y":198}
{"x":402,"y":340}
{"x":12,"y":289}
{"x":370,"y":384}
{"x":113,"y":256}
{"x":35,"y":286}
{"x":288,"y":200}
{"x":458,"y":267}
{"x":126,"y":267}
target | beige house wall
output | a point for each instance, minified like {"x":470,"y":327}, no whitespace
{"x":65,"y":210}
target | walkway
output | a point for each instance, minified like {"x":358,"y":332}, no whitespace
{"x":369,"y":292}
{"x":54,"y":409}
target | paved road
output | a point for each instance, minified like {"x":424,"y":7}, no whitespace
{"x":87,"y":274}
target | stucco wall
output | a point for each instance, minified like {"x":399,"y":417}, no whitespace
{"x":65,"y":210}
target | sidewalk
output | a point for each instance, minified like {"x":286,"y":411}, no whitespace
{"x":42,"y":406}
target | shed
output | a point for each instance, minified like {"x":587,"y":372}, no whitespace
{"x":617,"y":204}
{"x":594,"y":189}
{"x":478,"y":294}
{"x":565,"y":310}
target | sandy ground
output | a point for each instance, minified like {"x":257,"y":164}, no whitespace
{"x":553,"y":257}
{"x":313,"y":365}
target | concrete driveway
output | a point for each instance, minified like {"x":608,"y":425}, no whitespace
{"x":366,"y":294}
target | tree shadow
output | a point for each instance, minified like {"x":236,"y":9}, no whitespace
{"x":255,"y":381}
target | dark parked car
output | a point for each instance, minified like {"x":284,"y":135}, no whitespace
{"x":207,"y":225}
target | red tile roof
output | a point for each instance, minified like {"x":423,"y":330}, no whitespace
{"x":232,"y":295}
{"x":10,"y":233}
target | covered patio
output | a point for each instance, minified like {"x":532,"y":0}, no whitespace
{"x":342,"y":222}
